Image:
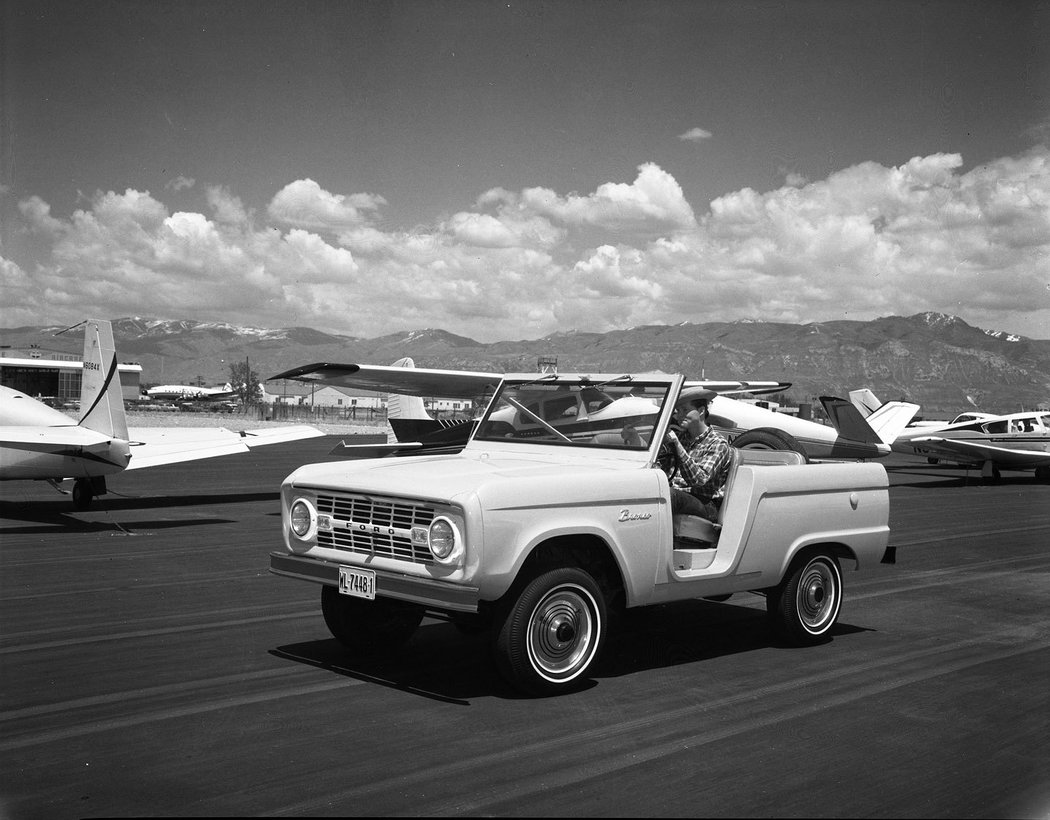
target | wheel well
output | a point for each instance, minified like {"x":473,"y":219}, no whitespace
{"x":587,"y":552}
{"x":840,"y":551}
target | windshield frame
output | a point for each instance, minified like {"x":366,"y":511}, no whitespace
{"x":516,"y":415}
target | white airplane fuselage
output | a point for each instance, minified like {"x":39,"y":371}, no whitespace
{"x":733,"y":418}
{"x":176,"y":392}
{"x":1017,"y":441}
{"x":39,"y":442}
{"x":60,"y":452}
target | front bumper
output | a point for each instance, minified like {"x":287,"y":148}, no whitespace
{"x":424,"y":591}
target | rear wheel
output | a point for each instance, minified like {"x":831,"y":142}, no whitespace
{"x":368,"y":627}
{"x":552,"y":633}
{"x":804,"y":607}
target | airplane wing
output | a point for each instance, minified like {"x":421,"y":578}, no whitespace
{"x":972,"y":450}
{"x":154,"y":446}
{"x":734,"y":388}
{"x":410,"y":381}
{"x":458,"y":384}
{"x":277,"y":435}
{"x":395,"y":448}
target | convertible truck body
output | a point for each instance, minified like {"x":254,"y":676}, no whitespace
{"x":545,"y":521}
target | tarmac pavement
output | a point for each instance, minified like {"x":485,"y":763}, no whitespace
{"x":151,"y":665}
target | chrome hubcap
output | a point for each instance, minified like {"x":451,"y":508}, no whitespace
{"x":817,"y":597}
{"x":563,"y":632}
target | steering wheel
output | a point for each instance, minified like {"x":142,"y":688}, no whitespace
{"x":667,"y":459}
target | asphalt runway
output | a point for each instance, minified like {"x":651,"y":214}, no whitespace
{"x":151,"y":665}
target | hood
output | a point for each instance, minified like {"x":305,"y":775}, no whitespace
{"x":439,"y":478}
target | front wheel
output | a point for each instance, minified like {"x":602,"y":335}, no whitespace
{"x":552,"y":633}
{"x":804,"y":607}
{"x":368,"y":627}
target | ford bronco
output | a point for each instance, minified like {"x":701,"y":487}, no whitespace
{"x":556,"y":513}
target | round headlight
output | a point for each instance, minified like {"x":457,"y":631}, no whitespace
{"x":442,"y":538}
{"x":301,"y":518}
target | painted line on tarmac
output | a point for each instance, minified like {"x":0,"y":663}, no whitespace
{"x":145,"y":692}
{"x":114,"y":724}
{"x":515,"y":789}
{"x":150,"y":633}
{"x":952,"y":576}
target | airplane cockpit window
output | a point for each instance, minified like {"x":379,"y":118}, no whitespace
{"x":996,"y":426}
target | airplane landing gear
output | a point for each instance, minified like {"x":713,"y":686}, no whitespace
{"x":85,"y":489}
{"x":990,"y":472}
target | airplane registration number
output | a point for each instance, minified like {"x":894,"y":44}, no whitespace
{"x":359,"y":583}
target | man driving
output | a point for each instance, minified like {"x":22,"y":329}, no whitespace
{"x":698,"y":484}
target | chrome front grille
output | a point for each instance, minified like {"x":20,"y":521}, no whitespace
{"x":375,"y":526}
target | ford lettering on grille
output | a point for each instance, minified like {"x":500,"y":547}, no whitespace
{"x":386,"y":528}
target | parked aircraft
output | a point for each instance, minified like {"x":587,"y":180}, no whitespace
{"x":746,"y":424}
{"x":40,"y":442}
{"x":1015,"y":441}
{"x":867,"y":403}
{"x":189,"y":392}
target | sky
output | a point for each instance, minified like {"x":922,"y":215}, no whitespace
{"x":508,"y":170}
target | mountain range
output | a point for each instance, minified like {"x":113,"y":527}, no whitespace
{"x":936,"y":360}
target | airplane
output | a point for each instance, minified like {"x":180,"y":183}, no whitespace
{"x":1014,"y":441}
{"x":39,"y":442}
{"x":189,"y":392}
{"x":867,"y":403}
{"x":747,"y":425}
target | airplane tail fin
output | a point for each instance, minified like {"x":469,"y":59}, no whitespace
{"x":865,"y":401}
{"x":880,"y":428}
{"x":101,"y":397}
{"x":405,"y":407}
{"x":889,"y":421}
{"x":848,"y":421}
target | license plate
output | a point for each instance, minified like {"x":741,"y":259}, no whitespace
{"x":360,"y":583}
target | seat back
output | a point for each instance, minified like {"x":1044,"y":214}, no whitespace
{"x":770,"y":457}
{"x":698,"y":529}
{"x":735,"y":460}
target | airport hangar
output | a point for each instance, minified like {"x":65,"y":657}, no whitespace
{"x":54,"y":375}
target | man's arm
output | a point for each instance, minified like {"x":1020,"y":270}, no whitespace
{"x":699,"y":471}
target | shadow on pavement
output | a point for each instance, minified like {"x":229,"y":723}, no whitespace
{"x":441,"y":663}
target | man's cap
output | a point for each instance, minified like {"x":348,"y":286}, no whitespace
{"x":696,"y":395}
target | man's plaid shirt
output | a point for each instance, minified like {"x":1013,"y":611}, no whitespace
{"x":702,"y":469}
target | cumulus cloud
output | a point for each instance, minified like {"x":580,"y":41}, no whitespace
{"x":695,"y":135}
{"x":653,"y":203}
{"x":226,"y":207}
{"x":180,"y":183}
{"x":37,"y":214}
{"x":305,"y":204}
{"x":869,"y":240}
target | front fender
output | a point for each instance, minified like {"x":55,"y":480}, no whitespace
{"x":631,"y":518}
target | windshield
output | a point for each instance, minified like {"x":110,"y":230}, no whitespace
{"x":614,"y":412}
